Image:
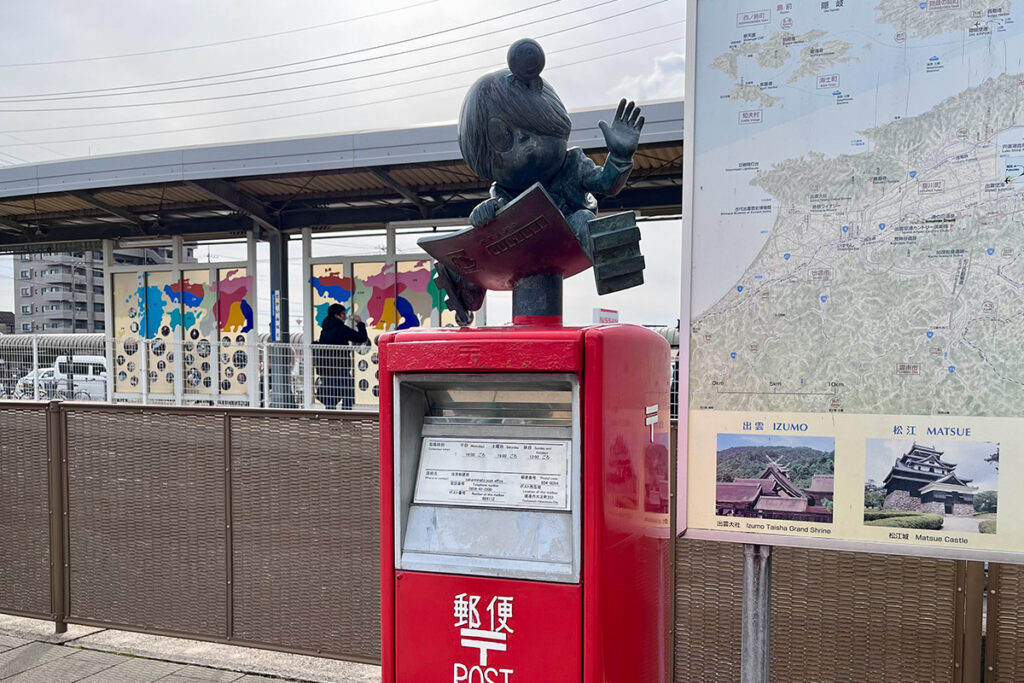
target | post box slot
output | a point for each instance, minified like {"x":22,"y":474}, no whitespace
{"x":527,"y":422}
{"x":495,"y":430}
{"x":487,"y":475}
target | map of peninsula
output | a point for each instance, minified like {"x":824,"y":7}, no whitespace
{"x":892,"y":279}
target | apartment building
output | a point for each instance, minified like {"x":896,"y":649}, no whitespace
{"x":62,"y":293}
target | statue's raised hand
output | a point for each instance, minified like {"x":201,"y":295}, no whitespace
{"x":623,"y":135}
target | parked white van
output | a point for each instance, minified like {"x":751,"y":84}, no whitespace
{"x":81,"y":378}
{"x":26,"y":385}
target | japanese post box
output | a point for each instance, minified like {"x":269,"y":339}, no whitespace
{"x":525,"y":505}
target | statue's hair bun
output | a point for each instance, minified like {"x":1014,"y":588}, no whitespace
{"x":526,"y":59}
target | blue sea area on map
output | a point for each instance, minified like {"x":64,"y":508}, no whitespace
{"x":333,"y":292}
{"x":320,"y":313}
{"x":154,"y":302}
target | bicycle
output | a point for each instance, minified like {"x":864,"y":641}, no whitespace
{"x":65,"y":395}
{"x":13,"y":393}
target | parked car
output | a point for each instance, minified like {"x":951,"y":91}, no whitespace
{"x":80,"y":377}
{"x":25,"y":385}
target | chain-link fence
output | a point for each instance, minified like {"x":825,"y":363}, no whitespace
{"x":234,"y":372}
{"x":36,"y":368}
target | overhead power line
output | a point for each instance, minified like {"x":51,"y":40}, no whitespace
{"x":153,"y":87}
{"x":77,"y":60}
{"x":307,"y":86}
{"x":303,"y":100}
{"x":400,"y":98}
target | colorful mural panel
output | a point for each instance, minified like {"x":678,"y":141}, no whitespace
{"x":211,"y":318}
{"x":199,"y":326}
{"x":128,"y":314}
{"x":387,"y":296}
{"x":160,"y":323}
{"x":235,"y":322}
{"x":374,"y":301}
{"x":329,"y":285}
{"x":413,"y":305}
{"x":418,"y":294}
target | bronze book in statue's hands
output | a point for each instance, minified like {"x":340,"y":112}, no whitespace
{"x":528,"y":236}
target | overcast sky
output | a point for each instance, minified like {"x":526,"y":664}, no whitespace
{"x":118,"y":76}
{"x":968,"y":456}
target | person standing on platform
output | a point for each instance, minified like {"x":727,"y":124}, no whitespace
{"x":334,"y":366}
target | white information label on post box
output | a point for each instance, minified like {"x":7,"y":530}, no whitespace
{"x":520,"y":473}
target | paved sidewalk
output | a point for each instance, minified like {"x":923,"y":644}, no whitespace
{"x":25,"y":661}
{"x":30,"y":652}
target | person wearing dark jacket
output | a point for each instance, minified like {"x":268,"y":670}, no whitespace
{"x":335,"y":366}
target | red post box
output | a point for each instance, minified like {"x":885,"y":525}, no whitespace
{"x":524,"y":505}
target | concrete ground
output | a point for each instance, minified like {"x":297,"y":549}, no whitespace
{"x":30,"y":652}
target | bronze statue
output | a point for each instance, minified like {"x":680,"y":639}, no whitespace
{"x":514,"y":130}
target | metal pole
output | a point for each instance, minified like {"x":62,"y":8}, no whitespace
{"x":308,"y":319}
{"x":265,"y":375}
{"x":757,"y":592}
{"x":215,"y":350}
{"x":110,"y":346}
{"x":35,"y":367}
{"x":144,"y":349}
{"x":177,"y":345}
{"x":253,"y":337}
{"x":280,"y":356}
{"x":56,"y":455}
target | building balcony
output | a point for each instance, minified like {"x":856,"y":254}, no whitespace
{"x":60,"y":278}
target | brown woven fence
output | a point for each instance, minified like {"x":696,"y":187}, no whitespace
{"x":836,"y":616}
{"x":241,"y":526}
{"x":24,"y":512}
{"x":260,"y":528}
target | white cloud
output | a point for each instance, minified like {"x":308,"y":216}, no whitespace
{"x":666,"y":81}
{"x":656,"y":302}
{"x":364,"y":80}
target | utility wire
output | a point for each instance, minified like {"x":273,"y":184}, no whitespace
{"x":112,"y":92}
{"x":400,"y":98}
{"x":32,"y":144}
{"x":644,"y":31}
{"x":208,"y":98}
{"x":233,"y":41}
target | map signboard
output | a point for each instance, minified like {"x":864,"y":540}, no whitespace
{"x":855,"y":200}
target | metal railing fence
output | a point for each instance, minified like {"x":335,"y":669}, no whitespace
{"x":245,"y":372}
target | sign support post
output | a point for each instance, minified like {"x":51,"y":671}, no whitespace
{"x":757,"y":594}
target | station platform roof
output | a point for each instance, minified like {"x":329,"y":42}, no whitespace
{"x":338,"y":182}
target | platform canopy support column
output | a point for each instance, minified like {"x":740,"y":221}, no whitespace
{"x":281,"y":395}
